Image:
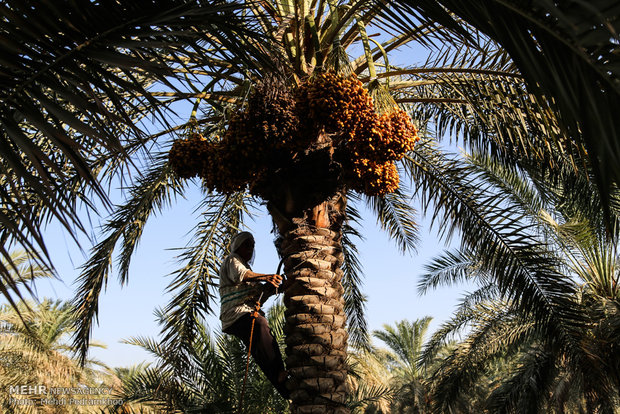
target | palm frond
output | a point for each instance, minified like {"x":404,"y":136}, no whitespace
{"x":193,"y":284}
{"x":529,"y":386}
{"x":510,"y":180}
{"x":354,"y":298}
{"x":442,"y":27}
{"x":521,"y":265}
{"x":396,"y":216}
{"x":496,"y":335}
{"x":147,"y":385}
{"x":451,"y":267}
{"x":486,"y":293}
{"x":477,"y":96}
{"x":465,"y":315}
{"x":575,"y":197}
{"x":205,"y":377}
{"x":21,"y":269}
{"x":152,"y":192}
{"x":545,"y":39}
{"x":276,"y":319}
{"x":150,"y":345}
{"x":365,"y":395}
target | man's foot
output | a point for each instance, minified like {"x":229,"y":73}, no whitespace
{"x":282,"y":376}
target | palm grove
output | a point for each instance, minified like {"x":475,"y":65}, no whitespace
{"x":277,"y":87}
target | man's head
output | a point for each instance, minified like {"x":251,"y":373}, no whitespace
{"x":243,"y":244}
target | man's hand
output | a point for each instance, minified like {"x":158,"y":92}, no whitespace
{"x":274,"y":279}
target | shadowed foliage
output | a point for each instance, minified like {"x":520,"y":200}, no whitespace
{"x":567,"y":52}
{"x":549,"y":315}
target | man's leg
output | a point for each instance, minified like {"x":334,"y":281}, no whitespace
{"x":265,"y":350}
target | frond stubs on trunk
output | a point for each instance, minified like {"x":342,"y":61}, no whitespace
{"x":316,"y":337}
{"x":292,"y":208}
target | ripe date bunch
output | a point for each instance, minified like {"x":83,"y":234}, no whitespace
{"x":279,"y":124}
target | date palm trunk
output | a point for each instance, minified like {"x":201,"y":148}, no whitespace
{"x":316,"y":339}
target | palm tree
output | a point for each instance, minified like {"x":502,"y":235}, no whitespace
{"x":314,"y":36}
{"x":34,"y":350}
{"x":405,"y":341}
{"x":296,"y":159}
{"x":555,"y":333}
{"x":370,"y":381}
{"x":23,"y":271}
{"x":307,"y":182}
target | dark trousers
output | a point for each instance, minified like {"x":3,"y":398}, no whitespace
{"x":265,"y":350}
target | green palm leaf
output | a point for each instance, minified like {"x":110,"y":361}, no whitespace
{"x":567,"y":53}
{"x":153,"y":192}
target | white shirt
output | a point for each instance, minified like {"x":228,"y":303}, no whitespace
{"x":237,"y":297}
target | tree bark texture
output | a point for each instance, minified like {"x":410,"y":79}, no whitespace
{"x":316,"y":338}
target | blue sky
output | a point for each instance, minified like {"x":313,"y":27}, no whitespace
{"x":390,"y":278}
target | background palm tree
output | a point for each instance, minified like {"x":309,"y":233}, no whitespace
{"x":23,"y":272}
{"x":563,"y":359}
{"x":370,"y":381}
{"x":405,"y":342}
{"x":35,"y":351}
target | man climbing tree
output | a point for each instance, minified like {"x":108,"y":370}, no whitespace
{"x":239,"y":291}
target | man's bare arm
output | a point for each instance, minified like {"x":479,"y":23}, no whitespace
{"x":272,"y":278}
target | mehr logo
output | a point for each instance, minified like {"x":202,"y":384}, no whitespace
{"x":28,"y":389}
